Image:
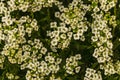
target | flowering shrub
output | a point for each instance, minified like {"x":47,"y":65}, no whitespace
{"x":59,"y":40}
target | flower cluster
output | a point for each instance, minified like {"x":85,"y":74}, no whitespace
{"x":117,"y":67}
{"x":72,"y":64}
{"x":102,"y":35}
{"x":40,"y":68}
{"x":73,"y":24}
{"x":60,"y":37}
{"x":10,"y":76}
{"x":32,"y":5}
{"x":15,"y":37}
{"x":92,"y":74}
{"x":41,"y":48}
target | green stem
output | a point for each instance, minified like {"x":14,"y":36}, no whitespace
{"x":115,"y":13}
{"x":115,"y":9}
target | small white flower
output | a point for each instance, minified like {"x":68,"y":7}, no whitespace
{"x":57,"y":14}
{"x":54,"y":42}
{"x":77,"y":69}
{"x":109,"y":44}
{"x":76,"y":36}
{"x":95,"y":54}
{"x":58,"y":61}
{"x":101,"y":59}
{"x":63,"y":36}
{"x":29,"y":30}
{"x":96,"y":9}
{"x":94,"y":38}
{"x":53,"y":24}
{"x":77,"y":56}
{"x":69,"y":34}
{"x":67,"y":21}
{"x":47,"y":71}
{"x":43,"y":50}
{"x":51,"y":60}
{"x":82,"y":38}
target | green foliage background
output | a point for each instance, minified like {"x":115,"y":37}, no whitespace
{"x":86,"y":49}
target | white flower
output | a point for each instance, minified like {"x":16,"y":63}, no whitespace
{"x":61,"y":8}
{"x":50,"y":1}
{"x":54,"y":42}
{"x":67,"y":21}
{"x":8,"y":21}
{"x":56,"y":34}
{"x":82,"y":38}
{"x":94,"y":38}
{"x":57,"y":14}
{"x":52,"y":68}
{"x":69,"y":34}
{"x":53,"y":48}
{"x":96,"y":9}
{"x":41,"y":69}
{"x":77,"y":69}
{"x":33,"y":23}
{"x":53,"y":24}
{"x":109,"y":44}
{"x":64,"y":29}
{"x":76,"y":36}
{"x":91,"y":74}
{"x":109,"y":35}
{"x":101,"y":59}
{"x":63,"y":36}
{"x":77,"y":56}
{"x":69,"y":71}
{"x":85,"y":28}
{"x":47,"y":71}
{"x":51,"y":60}
{"x":38,"y":46}
{"x":37,"y":41}
{"x":29,"y":30}
{"x":24,"y":6}
{"x":9,"y":75}
{"x":43,"y":50}
{"x":80,"y":32}
{"x":101,"y":48}
{"x":95,"y":54}
{"x":58,"y":61}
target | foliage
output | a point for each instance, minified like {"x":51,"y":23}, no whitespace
{"x":59,"y":40}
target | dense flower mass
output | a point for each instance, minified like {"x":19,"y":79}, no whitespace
{"x":59,"y":40}
{"x":73,"y":24}
{"x":91,"y":74}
